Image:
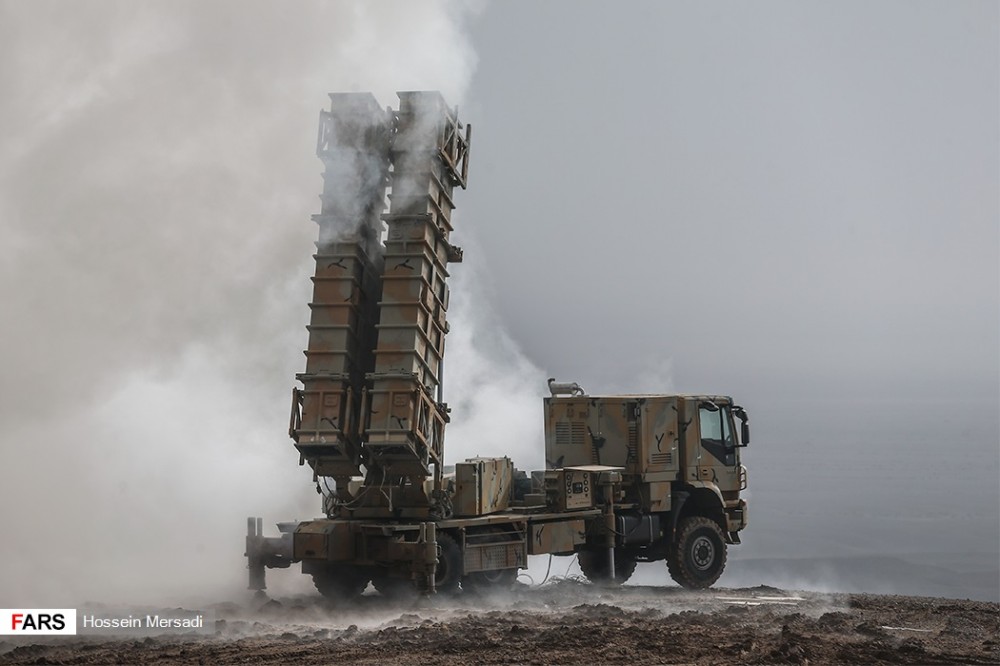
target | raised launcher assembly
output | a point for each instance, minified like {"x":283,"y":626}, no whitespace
{"x":371,"y":400}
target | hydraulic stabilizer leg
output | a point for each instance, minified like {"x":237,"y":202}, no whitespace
{"x":255,"y":564}
{"x":266,"y":552}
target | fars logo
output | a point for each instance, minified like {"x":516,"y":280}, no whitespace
{"x":37,"y":621}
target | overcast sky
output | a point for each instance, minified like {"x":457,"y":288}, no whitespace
{"x":790,"y":197}
{"x":794,"y":203}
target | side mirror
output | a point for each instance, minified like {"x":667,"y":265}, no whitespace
{"x":741,"y":414}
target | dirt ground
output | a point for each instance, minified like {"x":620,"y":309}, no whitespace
{"x":566,"y":622}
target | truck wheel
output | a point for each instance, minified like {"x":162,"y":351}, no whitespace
{"x":393,"y":588}
{"x":698,"y":555}
{"x":341,"y":582}
{"x":449,"y":565}
{"x":489,"y":581}
{"x":594,"y":565}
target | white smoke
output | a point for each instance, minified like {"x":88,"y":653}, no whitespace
{"x":156,"y":184}
{"x":494,"y":391}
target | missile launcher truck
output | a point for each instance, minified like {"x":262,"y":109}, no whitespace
{"x":628,"y":478}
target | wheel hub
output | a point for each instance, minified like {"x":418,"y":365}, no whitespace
{"x":702,"y":553}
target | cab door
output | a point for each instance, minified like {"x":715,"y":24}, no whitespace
{"x":717,"y":437}
{"x":719,"y":458}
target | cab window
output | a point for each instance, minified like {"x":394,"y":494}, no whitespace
{"x":715,"y":426}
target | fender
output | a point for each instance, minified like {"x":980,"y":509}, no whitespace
{"x":710,"y":486}
{"x":677,"y":505}
{"x":681,"y":497}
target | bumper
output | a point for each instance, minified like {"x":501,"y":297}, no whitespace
{"x":736,"y":517}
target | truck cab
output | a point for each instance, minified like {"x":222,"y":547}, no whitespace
{"x":681,"y":475}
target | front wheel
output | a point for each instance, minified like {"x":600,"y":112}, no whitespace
{"x":698,"y":554}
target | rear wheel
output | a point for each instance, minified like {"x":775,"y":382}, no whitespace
{"x":394,"y":588}
{"x":698,"y":554}
{"x":449,"y":565}
{"x":489,"y":581}
{"x":595,"y":566}
{"x":341,"y":582}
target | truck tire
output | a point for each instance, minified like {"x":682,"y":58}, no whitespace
{"x":341,"y":582}
{"x":698,"y":555}
{"x":484,"y":582}
{"x":449,"y":565}
{"x":393,"y":588}
{"x":594,"y":565}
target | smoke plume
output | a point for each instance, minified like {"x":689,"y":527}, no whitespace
{"x":156,"y":187}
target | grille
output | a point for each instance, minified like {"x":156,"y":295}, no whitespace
{"x":493,"y":556}
{"x":633,"y":442}
{"x":570,"y":433}
{"x":662,"y":458}
{"x":499,"y":557}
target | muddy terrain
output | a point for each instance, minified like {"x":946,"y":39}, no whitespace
{"x":566,"y":622}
